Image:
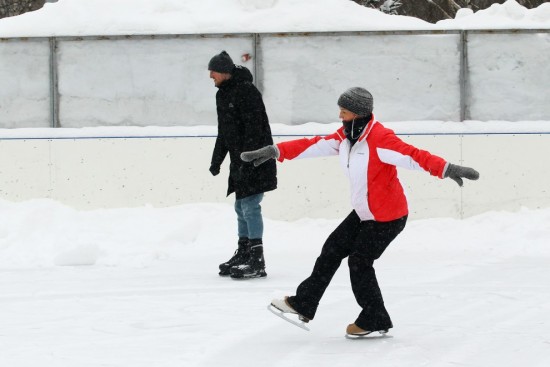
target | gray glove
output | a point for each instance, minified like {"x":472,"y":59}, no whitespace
{"x":261,"y":155}
{"x":456,"y":173}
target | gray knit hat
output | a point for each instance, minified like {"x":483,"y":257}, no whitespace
{"x":357,"y":100}
{"x":221,"y":63}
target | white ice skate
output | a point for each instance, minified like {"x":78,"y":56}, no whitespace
{"x":280,"y":307}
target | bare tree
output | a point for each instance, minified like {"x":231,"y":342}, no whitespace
{"x":435,"y":10}
{"x":428,"y":10}
{"x":386,"y":6}
{"x":391,"y":6}
{"x":10,"y":8}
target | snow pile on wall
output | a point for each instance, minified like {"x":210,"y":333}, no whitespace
{"x":517,"y":16}
{"x":124,"y":17}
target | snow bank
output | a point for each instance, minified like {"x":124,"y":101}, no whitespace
{"x":132,"y":17}
{"x":499,"y":16}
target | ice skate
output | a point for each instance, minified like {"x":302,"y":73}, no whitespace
{"x":280,"y":307}
{"x":355,"y":332}
{"x":254,"y":267}
{"x":240,"y":256}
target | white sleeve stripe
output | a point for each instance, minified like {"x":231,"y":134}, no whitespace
{"x":398,"y":159}
{"x":322,"y":148}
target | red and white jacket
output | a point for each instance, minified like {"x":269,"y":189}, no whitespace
{"x":370,"y":165}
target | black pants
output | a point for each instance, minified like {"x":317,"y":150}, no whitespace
{"x":363,"y":242}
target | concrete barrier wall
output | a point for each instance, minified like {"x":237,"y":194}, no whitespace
{"x":140,"y":82}
{"x":508,"y":76}
{"x":413,"y":77}
{"x":128,"y":172}
{"x":163,"y":81}
{"x":25,"y":95}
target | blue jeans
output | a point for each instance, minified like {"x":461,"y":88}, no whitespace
{"x":249,"y":216}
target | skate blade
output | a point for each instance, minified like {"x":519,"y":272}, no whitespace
{"x":249,"y":276}
{"x":369,"y":335}
{"x":274,"y":310}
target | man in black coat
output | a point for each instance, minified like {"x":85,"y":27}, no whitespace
{"x":242,"y":126}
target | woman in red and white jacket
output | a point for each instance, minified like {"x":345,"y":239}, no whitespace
{"x":369,"y":154}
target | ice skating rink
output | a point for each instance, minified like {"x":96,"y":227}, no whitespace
{"x":139,"y":287}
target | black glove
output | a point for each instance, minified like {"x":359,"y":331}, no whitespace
{"x":456,"y":173}
{"x":261,"y":155}
{"x":214,"y":170}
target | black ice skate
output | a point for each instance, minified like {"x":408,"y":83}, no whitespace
{"x":240,"y":256}
{"x":254,"y":267}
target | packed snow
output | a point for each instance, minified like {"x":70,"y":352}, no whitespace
{"x":139,"y":287}
{"x":132,"y":17}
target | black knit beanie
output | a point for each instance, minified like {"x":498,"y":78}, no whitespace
{"x":221,"y":63}
{"x":357,"y":100}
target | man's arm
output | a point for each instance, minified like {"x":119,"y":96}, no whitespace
{"x":252,"y":114}
{"x":218,"y":156}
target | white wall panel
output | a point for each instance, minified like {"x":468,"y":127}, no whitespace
{"x":163,"y":81}
{"x":141,"y":82}
{"x":129,"y":172}
{"x":509,"y":76}
{"x":24,"y":84}
{"x":412,"y":77}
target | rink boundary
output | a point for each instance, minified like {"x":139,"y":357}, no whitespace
{"x":121,"y":169}
{"x":203,"y":136}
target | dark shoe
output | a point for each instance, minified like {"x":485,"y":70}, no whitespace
{"x":254,"y":267}
{"x":240,"y":256}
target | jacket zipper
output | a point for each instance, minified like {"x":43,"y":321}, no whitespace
{"x":349,"y":153}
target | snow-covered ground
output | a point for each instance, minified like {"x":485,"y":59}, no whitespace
{"x":139,"y":287}
{"x":474,"y":292}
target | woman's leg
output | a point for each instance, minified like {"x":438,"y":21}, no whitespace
{"x":336,"y":248}
{"x":372,"y":241}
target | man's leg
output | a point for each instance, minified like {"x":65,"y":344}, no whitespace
{"x":242,"y":225}
{"x":252,"y":215}
{"x":241,"y":255}
{"x":254,"y":267}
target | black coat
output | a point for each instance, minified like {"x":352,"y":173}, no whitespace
{"x":243,"y":126}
